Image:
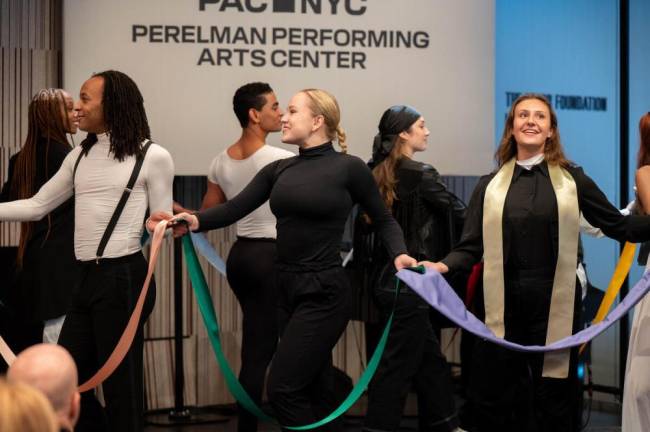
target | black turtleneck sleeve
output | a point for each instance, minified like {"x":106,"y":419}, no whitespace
{"x":251,"y":197}
{"x":311,"y":196}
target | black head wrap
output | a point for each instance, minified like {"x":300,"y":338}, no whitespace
{"x":395,"y":120}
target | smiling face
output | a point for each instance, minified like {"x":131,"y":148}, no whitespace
{"x":69,"y":113}
{"x":299,"y":122}
{"x":531,"y":125}
{"x":90,"y":110}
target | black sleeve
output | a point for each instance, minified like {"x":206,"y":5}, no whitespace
{"x":56,"y":156}
{"x":469,"y":249}
{"x":436,"y":194}
{"x":363,"y":190}
{"x":255,"y":194}
{"x":600,"y":213}
{"x":5,"y":195}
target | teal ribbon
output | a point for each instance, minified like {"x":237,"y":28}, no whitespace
{"x":209,"y":315}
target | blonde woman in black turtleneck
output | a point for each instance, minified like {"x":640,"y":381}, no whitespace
{"x":311,"y":196}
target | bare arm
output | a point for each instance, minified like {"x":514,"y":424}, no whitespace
{"x":213,"y":196}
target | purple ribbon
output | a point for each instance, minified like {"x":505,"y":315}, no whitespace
{"x":435,"y":290}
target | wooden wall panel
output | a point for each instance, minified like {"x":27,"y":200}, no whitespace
{"x":30,"y":53}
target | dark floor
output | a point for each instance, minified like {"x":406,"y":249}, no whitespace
{"x":225,"y":420}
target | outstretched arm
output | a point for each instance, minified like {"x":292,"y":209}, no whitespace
{"x":255,"y":194}
{"x":51,"y":195}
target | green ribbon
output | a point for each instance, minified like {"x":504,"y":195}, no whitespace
{"x":209,"y":315}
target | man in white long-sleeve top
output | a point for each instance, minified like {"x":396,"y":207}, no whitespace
{"x":97,"y":173}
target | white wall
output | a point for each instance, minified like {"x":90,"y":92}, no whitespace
{"x":449,"y":79}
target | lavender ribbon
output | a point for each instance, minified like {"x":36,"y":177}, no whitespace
{"x":435,"y":290}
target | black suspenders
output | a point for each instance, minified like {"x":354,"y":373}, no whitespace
{"x":125,"y":196}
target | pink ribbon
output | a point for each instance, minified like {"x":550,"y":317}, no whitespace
{"x":124,"y":344}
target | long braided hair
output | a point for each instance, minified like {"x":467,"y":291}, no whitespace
{"x":124,"y":115}
{"x":47,"y":123}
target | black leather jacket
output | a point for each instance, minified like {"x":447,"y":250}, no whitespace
{"x":430,"y":215}
{"x":431,"y":218}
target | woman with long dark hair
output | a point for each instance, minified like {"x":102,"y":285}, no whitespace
{"x":107,"y":239}
{"x":46,"y":264}
{"x":311,"y":196}
{"x":429,"y":215}
{"x":636,"y":397}
{"x":523,"y":221}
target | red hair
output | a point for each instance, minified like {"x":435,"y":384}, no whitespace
{"x":643,"y":157}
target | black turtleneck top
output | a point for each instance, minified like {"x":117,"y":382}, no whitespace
{"x":311,"y":196}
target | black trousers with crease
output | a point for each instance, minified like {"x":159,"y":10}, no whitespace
{"x":101,"y":307}
{"x":314,"y":309}
{"x":251,"y":276}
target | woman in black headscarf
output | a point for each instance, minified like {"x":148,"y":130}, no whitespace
{"x":430,"y":216}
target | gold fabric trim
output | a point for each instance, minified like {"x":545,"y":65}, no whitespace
{"x":493,"y":281}
{"x":556,"y":363}
{"x":560,"y":319}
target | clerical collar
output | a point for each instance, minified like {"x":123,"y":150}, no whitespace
{"x":531,"y":162}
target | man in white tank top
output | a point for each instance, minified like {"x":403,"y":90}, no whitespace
{"x":250,"y":265}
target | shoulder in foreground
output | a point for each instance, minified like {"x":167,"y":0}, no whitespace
{"x":280,"y":163}
{"x":575,"y":170}
{"x":643,"y":173}
{"x":412,"y":165}
{"x":158,"y":154}
{"x":352,"y":161}
{"x":278,"y":152}
{"x":74,"y":153}
{"x":158,"y":150}
{"x":486,"y":178}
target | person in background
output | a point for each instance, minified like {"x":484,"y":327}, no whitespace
{"x":47,"y":271}
{"x":258,"y":112}
{"x":636,"y":394}
{"x":422,"y":205}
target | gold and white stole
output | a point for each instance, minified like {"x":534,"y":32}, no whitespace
{"x":560,"y":320}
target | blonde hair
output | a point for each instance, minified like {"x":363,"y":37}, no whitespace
{"x":323,"y":103}
{"x":25,"y":409}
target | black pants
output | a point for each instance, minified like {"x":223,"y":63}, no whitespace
{"x":412,"y":357}
{"x":507,"y":390}
{"x":251,"y":275}
{"x":314,"y":310}
{"x":100,"y":310}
